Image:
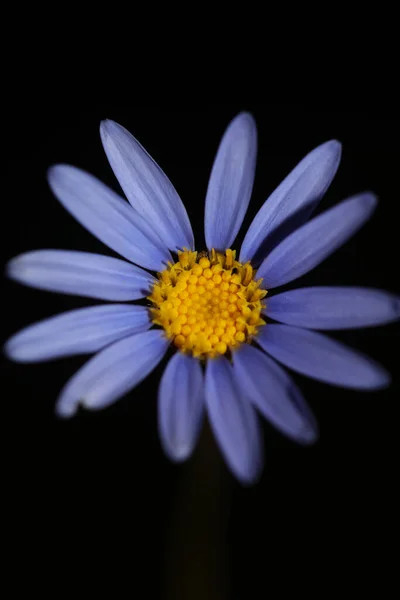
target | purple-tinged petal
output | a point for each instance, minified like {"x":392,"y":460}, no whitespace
{"x":266,"y":385}
{"x":108,"y":217}
{"x":231,"y":182}
{"x":234,"y":422}
{"x":146,"y":186}
{"x":293,"y":201}
{"x":180,"y":406}
{"x":80,"y":273}
{"x":112,"y":373}
{"x":334,"y":307}
{"x":307,"y":247}
{"x":79,"y":331}
{"x":317,"y":356}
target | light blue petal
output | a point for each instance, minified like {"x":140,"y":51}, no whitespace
{"x":317,"y":356}
{"x":79,"y":331}
{"x":108,"y":217}
{"x":334,"y":307}
{"x":180,"y":406}
{"x":293,"y":201}
{"x":307,"y":247}
{"x":146,"y":186}
{"x":80,"y":273}
{"x":112,"y":373}
{"x":231,"y":182}
{"x":234,"y":422}
{"x":274,"y":393}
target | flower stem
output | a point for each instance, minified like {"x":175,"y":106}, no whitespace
{"x":196,"y":557}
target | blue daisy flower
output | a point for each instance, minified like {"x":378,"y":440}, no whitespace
{"x":213,"y":307}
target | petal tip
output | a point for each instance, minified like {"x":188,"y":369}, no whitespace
{"x":15,"y":351}
{"x":51,"y":173}
{"x":382,"y":379}
{"x":367,"y":198}
{"x":332,"y":151}
{"x":105,"y":129}
{"x":396,"y":307}
{"x":104,"y":123}
{"x":13,"y":267}
{"x":179,"y":453}
{"x":252,"y":476}
{"x":245,"y":121}
{"x":372,"y":199}
{"x":56,"y":171}
{"x":19,"y":268}
{"x":335,"y":147}
{"x":108,"y":126}
{"x":8,"y":350}
{"x":65,"y":410}
{"x":245,"y":116}
{"x":368,"y":201}
{"x":335,"y":144}
{"x":310,"y":436}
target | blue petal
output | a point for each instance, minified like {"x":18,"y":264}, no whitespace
{"x":108,"y":376}
{"x":146,"y":186}
{"x":334,"y":307}
{"x":307,"y":247}
{"x":80,"y":273}
{"x":77,"y":332}
{"x":180,"y":406}
{"x":274,"y":393}
{"x":321,"y":358}
{"x":234,"y":422}
{"x":108,"y":217}
{"x":231,"y":182}
{"x":293,"y":201}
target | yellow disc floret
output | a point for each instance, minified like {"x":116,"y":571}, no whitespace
{"x":208,"y":303}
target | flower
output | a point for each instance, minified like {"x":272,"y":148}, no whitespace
{"x":210,"y":306}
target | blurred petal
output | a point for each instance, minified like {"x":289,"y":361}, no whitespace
{"x":317,"y":356}
{"x":293,"y":201}
{"x":112,"y":373}
{"x":77,"y":332}
{"x":80,"y":273}
{"x":274,"y":393}
{"x":108,"y":217}
{"x":180,"y":406}
{"x":231,"y":182}
{"x":146,"y":186}
{"x":334,"y":307}
{"x":234,"y":422}
{"x":307,"y":247}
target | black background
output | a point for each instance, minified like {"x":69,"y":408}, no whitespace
{"x":95,"y":495}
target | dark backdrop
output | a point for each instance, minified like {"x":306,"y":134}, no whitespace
{"x":96,"y":492}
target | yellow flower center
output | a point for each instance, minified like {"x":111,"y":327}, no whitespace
{"x":208,"y":303}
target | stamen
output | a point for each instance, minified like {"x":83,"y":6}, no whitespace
{"x":208,"y":303}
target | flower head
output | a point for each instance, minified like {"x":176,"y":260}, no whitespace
{"x":213,"y":306}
